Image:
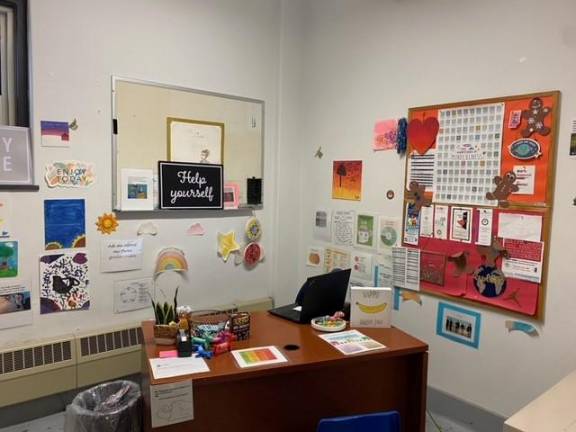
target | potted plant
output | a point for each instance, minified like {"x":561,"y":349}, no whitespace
{"x":166,"y":326}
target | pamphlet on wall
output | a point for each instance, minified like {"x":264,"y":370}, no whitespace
{"x":370,"y":306}
{"x":351,"y":342}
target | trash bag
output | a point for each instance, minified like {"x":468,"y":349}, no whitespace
{"x":111,"y":407}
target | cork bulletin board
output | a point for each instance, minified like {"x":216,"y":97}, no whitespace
{"x":478,"y":199}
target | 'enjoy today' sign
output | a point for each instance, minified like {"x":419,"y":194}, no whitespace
{"x":190,"y":186}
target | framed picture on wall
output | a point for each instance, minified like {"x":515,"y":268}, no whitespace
{"x":231,"y":195}
{"x":458,"y":324}
{"x":195,"y":141}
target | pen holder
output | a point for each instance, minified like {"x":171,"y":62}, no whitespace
{"x":240,"y":325}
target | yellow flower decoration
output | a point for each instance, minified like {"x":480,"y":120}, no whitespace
{"x":107,"y":223}
{"x":227,"y":244}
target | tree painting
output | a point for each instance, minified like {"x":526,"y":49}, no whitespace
{"x":347,"y":180}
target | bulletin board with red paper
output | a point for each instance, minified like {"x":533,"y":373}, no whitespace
{"x":478,"y":198}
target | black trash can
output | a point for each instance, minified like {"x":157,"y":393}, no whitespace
{"x":111,"y":407}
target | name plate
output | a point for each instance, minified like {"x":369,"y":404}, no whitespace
{"x":190,"y":185}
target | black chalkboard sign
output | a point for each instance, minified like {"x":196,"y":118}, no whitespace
{"x":190,"y":185}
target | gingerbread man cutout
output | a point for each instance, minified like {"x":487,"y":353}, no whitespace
{"x":416,"y":193}
{"x":504,"y":187}
{"x":535,"y":116}
{"x":493,"y":252}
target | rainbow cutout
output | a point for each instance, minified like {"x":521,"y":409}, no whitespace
{"x":171,"y":259}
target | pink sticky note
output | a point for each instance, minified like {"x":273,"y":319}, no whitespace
{"x":385,"y":135}
{"x":168,"y":354}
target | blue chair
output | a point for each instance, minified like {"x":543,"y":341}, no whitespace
{"x":377,"y":422}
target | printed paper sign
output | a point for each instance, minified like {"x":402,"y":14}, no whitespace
{"x":427,"y":221}
{"x":461,"y":224}
{"x":412,"y":225}
{"x":441,"y":222}
{"x":520,"y":226}
{"x":171,"y":403}
{"x":132,"y":294}
{"x":120,"y":255}
{"x":69,"y":174}
{"x":525,"y":177}
{"x":524,"y":260}
{"x":485,"y":227}
{"x":361,"y":265}
{"x":322,"y":225}
{"x":15,"y":309}
{"x":343,"y":227}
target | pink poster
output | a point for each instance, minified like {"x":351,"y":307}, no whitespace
{"x":385,"y":135}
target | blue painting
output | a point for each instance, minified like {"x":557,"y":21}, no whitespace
{"x":64,"y":224}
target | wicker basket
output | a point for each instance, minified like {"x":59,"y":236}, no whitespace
{"x":199,"y":319}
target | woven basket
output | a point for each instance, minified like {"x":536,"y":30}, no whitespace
{"x":207,"y":317}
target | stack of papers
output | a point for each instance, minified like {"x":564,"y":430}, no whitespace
{"x":351,"y":342}
{"x":172,"y":367}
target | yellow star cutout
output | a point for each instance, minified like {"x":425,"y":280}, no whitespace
{"x":227,"y":244}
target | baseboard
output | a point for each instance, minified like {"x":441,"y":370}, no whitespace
{"x":472,"y":416}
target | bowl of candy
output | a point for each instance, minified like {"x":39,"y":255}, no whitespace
{"x":207,"y":323}
{"x":329,"y":323}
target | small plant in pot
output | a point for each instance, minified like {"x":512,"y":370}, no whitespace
{"x":166,"y":327}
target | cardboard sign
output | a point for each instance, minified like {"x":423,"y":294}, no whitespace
{"x":15,"y":157}
{"x":190,"y":185}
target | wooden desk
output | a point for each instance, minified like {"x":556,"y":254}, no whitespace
{"x":317,"y":382}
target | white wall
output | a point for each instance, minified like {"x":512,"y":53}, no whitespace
{"x":75,"y":47}
{"x":373,"y":59}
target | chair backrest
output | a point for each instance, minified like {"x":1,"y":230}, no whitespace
{"x":377,"y":422}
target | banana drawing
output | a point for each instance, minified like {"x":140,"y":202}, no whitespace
{"x":372,"y":309}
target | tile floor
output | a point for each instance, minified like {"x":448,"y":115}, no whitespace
{"x":55,"y":423}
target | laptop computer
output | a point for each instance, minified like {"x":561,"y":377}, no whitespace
{"x":319,"y":296}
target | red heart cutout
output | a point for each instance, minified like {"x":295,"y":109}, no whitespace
{"x":422,"y":136}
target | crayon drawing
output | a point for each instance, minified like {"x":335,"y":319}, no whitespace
{"x":347,"y":180}
{"x":64,"y":282}
{"x":64,"y":224}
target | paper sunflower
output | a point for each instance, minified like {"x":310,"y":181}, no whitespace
{"x":107,"y":223}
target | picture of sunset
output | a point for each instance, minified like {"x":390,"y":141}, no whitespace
{"x":347,"y":180}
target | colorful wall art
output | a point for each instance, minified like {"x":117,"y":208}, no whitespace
{"x":64,"y":282}
{"x":347,"y":180}
{"x":64,"y":224}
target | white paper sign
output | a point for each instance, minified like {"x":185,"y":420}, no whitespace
{"x":323,"y":225}
{"x":361,"y":265}
{"x":520,"y":226}
{"x":171,"y":403}
{"x":441,"y":222}
{"x":427,"y":221}
{"x":132,"y":294}
{"x":525,"y":175}
{"x":485,"y":227}
{"x":522,"y":269}
{"x":343,"y":227}
{"x":121,"y":255}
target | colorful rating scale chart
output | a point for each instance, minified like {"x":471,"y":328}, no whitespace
{"x":260,"y":356}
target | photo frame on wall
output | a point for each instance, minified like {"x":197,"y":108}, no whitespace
{"x":231,"y":195}
{"x":188,"y":186}
{"x":195,"y":141}
{"x":458,"y":324}
{"x":15,"y":156}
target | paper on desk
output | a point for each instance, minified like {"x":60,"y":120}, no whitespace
{"x":259,"y":356}
{"x":172,"y":367}
{"x":520,"y":226}
{"x":171,"y":403}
